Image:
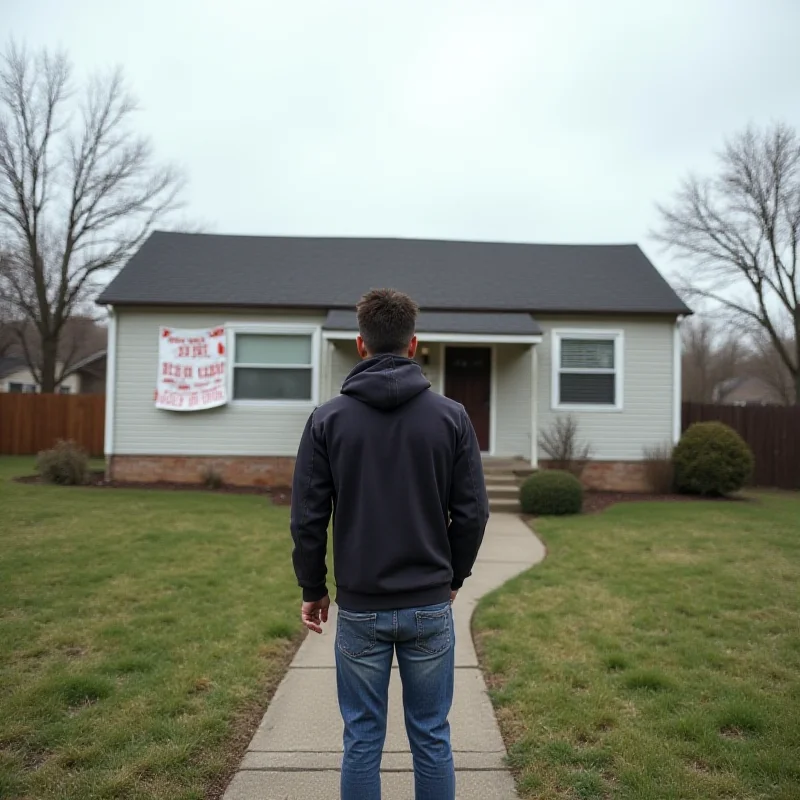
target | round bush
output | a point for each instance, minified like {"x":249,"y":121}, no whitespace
{"x":65,"y":464}
{"x":711,"y":459}
{"x":551,"y":492}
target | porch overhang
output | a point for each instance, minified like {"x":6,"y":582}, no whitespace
{"x":451,"y":326}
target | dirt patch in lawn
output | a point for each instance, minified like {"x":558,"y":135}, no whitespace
{"x":281,"y":495}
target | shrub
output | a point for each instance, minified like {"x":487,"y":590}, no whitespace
{"x":659,"y":469}
{"x":711,"y":459}
{"x":562,"y":447}
{"x":66,"y":464}
{"x":551,"y":492}
{"x":212,"y":479}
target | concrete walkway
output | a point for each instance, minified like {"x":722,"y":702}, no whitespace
{"x":296,"y":751}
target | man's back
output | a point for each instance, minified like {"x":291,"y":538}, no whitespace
{"x":403,"y":461}
{"x":400,"y":469}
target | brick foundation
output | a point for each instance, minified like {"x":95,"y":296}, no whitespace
{"x":268,"y":471}
{"x":614,"y":476}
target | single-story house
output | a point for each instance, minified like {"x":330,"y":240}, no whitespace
{"x":221,"y":346}
{"x":747,"y":390}
{"x":88,"y":376}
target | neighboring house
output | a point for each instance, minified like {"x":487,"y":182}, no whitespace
{"x":16,"y":376}
{"x":746,"y":391}
{"x":91,"y":373}
{"x":89,"y":376}
{"x":517,"y":333}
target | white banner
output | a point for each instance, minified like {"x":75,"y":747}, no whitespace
{"x":192,"y":368}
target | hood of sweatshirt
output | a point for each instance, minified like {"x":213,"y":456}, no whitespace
{"x":385,"y":381}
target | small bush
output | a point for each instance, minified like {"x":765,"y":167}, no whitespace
{"x":563,"y":449}
{"x":551,"y":492}
{"x":659,"y":469}
{"x":65,"y":464}
{"x":212,"y":479}
{"x":711,"y":459}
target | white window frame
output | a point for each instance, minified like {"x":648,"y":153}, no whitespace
{"x":275,"y":329}
{"x":618,"y":337}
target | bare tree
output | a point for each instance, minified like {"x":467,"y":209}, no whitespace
{"x":767,"y":365}
{"x":739,"y":234}
{"x":710,"y":356}
{"x":79,"y":193}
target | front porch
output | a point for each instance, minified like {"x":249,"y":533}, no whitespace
{"x":493,"y":375}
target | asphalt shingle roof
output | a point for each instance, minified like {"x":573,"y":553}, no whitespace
{"x":179,"y":269}
{"x":9,"y":364}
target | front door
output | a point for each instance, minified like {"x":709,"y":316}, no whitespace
{"x":468,"y":380}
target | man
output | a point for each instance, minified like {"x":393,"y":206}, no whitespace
{"x":400,"y":468}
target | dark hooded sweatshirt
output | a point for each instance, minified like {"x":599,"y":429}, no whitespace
{"x":400,"y":468}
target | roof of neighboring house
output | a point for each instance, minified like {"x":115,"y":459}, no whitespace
{"x":181,"y":269}
{"x":745,"y":389}
{"x":10,"y":364}
{"x":90,"y":361}
{"x":503,"y":323}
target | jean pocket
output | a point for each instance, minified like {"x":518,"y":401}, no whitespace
{"x":433,"y":630}
{"x":355,"y":633}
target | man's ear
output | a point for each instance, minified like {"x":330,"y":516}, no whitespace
{"x":412,"y":347}
{"x":361,"y":347}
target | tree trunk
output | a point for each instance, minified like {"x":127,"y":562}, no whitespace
{"x":49,"y":358}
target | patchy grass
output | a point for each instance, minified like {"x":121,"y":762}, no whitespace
{"x":655,"y":654}
{"x":140,"y":636}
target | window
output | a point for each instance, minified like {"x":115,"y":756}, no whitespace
{"x":587,"y":370}
{"x":64,"y":389}
{"x":22,"y":388}
{"x":273,"y":366}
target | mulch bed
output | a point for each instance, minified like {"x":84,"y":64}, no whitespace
{"x":279,"y":496}
{"x":594,"y":502}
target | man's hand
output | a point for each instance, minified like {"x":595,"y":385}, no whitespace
{"x":453,"y":596}
{"x":313,"y":614}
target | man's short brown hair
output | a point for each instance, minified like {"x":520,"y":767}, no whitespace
{"x":387,"y":320}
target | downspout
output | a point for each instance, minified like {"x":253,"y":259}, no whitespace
{"x":677,"y":381}
{"x":111,"y":390}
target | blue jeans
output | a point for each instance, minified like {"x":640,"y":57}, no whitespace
{"x":425,"y":643}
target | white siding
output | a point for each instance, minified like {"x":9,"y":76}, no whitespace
{"x":344,"y":357}
{"x":512,"y":415}
{"x":647,"y":414}
{"x":25,"y":377}
{"x":142,"y":429}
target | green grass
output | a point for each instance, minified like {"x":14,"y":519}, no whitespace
{"x":654,"y":655}
{"x":140,"y":635}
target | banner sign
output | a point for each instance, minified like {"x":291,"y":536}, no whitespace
{"x":191,"y":369}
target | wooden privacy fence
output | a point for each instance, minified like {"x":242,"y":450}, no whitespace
{"x":773,"y":433}
{"x":33,"y":422}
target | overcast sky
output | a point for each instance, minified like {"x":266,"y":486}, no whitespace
{"x":537,"y":120}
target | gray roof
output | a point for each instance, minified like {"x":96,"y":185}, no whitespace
{"x":183,"y":269}
{"x":451,"y":322}
{"x":9,"y":364}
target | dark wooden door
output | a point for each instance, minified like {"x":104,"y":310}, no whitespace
{"x":468,"y":380}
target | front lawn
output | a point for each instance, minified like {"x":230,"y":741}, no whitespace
{"x":140,"y":635}
{"x":654,"y":655}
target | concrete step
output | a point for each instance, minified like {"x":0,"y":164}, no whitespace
{"x":504,"y":506}
{"x":507,"y":470}
{"x":500,"y":490}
